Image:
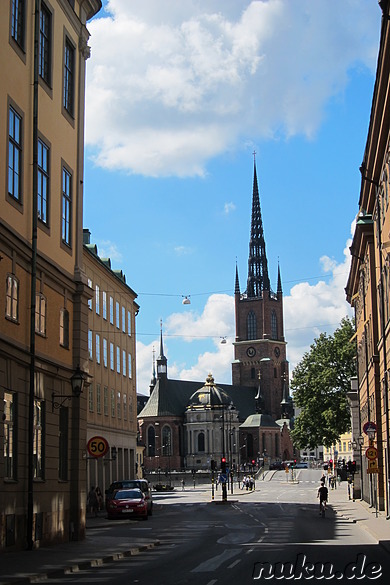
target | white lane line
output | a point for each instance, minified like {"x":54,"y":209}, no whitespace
{"x":215,"y":562}
{"x":212,"y":582}
{"x":234,"y":564}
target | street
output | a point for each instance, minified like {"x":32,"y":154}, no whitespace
{"x":273,"y":533}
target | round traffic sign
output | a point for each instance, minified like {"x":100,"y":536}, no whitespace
{"x":97,"y":446}
{"x":369,"y":426}
{"x":372,"y":453}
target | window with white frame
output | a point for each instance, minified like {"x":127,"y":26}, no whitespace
{"x":112,"y":365}
{"x":66,"y":206}
{"x":90,"y":284}
{"x":113,"y":403}
{"x":105,"y":352}
{"x":98,"y":399}
{"x":43,"y":181}
{"x":97,"y":348}
{"x":14,"y":154}
{"x":124,"y":406}
{"x":123,"y":319}
{"x":90,"y":348}
{"x":118,"y":405}
{"x":118,"y":360}
{"x":10,"y":444}
{"x":12,"y":298}
{"x":90,"y":398}
{"x":111,"y":311}
{"x":97,"y":299}
{"x":105,"y":401}
{"x":124,"y":362}
{"x":38,"y":439}
{"x":104,"y":305}
{"x":18,"y":17}
{"x":64,"y":328}
{"x":129,"y":323}
{"x":117,"y":315}
{"x":129,"y":363}
{"x":40,"y":314}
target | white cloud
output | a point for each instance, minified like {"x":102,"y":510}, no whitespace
{"x":171,"y":85}
{"x":312,"y":309}
{"x":229,"y":207}
{"x":108,"y":249}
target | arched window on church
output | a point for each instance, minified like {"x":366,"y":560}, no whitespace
{"x":251,"y":325}
{"x":274,"y":325}
{"x":201,"y":447}
{"x":151,"y":442}
{"x":166,"y":440}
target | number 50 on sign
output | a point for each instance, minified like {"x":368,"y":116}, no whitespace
{"x":97,"y":446}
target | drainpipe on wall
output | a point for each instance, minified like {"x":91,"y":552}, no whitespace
{"x":34,"y":237}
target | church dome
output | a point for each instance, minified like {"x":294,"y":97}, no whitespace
{"x":209,"y":395}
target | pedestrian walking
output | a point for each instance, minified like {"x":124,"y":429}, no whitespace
{"x":183,"y":483}
{"x":92,"y":501}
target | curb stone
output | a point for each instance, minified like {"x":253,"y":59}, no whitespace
{"x":81,"y":566}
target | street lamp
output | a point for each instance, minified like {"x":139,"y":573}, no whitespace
{"x":77,"y":381}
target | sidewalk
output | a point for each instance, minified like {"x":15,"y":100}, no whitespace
{"x":359,"y":511}
{"x":57,"y":560}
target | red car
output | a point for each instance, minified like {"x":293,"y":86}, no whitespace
{"x":130,"y":503}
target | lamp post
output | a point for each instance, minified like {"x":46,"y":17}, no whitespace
{"x":371,"y":433}
{"x":358,"y":443}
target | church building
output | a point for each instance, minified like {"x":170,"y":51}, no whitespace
{"x":187,"y":424}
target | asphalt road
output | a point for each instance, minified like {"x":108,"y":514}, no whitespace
{"x":266,"y":536}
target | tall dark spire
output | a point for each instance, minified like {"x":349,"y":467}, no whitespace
{"x":258,"y":279}
{"x":237,"y":283}
{"x":279,"y":290}
{"x":161,"y":360}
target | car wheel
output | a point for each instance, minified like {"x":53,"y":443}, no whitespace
{"x":150,"y":512}
{"x":145,"y":517}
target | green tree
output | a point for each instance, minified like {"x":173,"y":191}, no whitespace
{"x":320,"y":384}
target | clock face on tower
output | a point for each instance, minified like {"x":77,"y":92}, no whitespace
{"x":277,"y":352}
{"x":251,"y":352}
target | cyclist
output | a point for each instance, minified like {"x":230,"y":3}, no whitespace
{"x":322,"y":494}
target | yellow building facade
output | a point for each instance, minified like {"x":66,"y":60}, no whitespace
{"x":43,"y":288}
{"x":112,"y":397}
{"x":368,"y":292}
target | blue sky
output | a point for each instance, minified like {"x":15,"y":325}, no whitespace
{"x":179,"y":95}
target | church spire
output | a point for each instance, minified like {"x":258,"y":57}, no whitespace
{"x":237,"y":282}
{"x":279,"y":290}
{"x":161,"y":360}
{"x":258,"y":279}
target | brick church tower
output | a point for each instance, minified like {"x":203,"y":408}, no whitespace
{"x":260,"y":346}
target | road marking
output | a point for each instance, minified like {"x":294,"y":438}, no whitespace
{"x":212,"y":582}
{"x":234,"y":564}
{"x":215,"y":562}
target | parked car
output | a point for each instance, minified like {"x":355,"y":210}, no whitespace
{"x":141,"y":484}
{"x":127,"y":502}
{"x":278,"y":465}
{"x":302,"y":465}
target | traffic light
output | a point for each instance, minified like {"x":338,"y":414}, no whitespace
{"x":349,"y":466}
{"x":223,"y":465}
{"x":253,"y":461}
{"x":212,"y":462}
{"x":353,"y":466}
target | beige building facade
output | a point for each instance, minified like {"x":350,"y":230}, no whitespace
{"x":112,"y":398}
{"x":43,"y":289}
{"x":368,"y":291}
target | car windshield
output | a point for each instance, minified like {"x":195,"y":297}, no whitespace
{"x":128,"y":495}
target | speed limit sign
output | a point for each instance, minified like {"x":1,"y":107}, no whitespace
{"x":97,"y":446}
